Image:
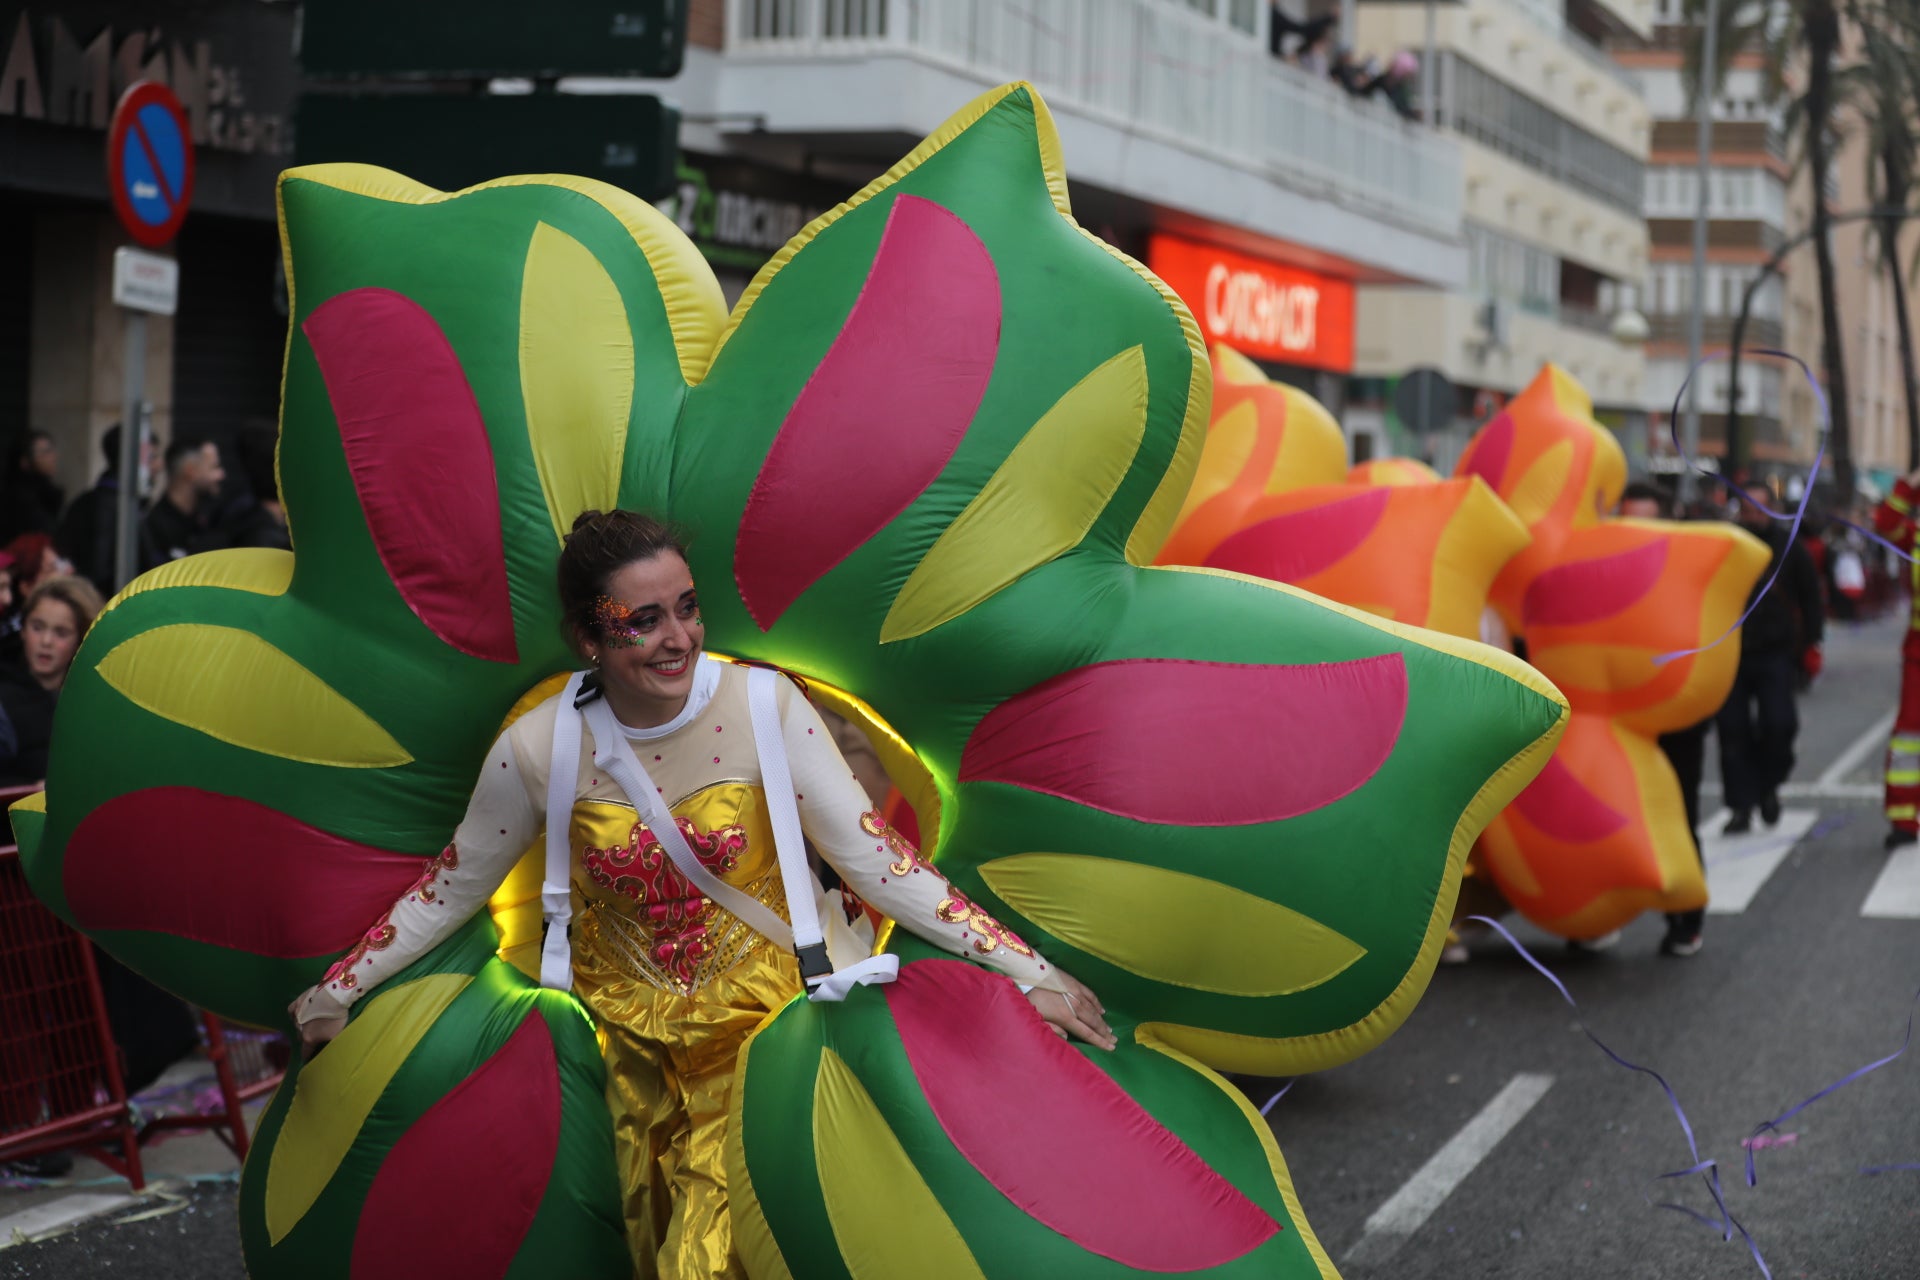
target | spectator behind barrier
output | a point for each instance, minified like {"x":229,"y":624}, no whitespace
{"x":56,"y":617}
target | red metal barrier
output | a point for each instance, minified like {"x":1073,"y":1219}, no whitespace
{"x":246,"y":1065}
{"x":60,"y":1082}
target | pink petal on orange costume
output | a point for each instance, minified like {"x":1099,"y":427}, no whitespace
{"x":1170,"y":740}
{"x":1564,"y":809}
{"x":1298,"y":545}
{"x":227,"y":871}
{"x":1488,"y":456}
{"x":421,"y":463}
{"x":1572,"y":595}
{"x":459,"y":1190}
{"x":1055,"y":1134}
{"x":883,"y":413}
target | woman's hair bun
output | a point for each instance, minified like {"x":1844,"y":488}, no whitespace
{"x":585,"y":518}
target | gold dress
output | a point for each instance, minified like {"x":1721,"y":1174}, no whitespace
{"x":675,"y":983}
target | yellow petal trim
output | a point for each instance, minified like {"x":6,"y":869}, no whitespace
{"x":336,"y":1091}
{"x":1171,"y":927}
{"x":264,"y":571}
{"x":1236,"y":368}
{"x":1038,"y":505}
{"x":232,"y":685}
{"x":576,"y":375}
{"x":885,"y":1219}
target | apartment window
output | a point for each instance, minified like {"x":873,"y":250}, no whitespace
{"x":1244,"y":15}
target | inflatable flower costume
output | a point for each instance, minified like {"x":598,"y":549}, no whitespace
{"x":923,"y":461}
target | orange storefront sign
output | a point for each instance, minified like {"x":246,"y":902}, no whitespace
{"x":1260,"y":308}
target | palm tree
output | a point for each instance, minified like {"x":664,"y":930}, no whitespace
{"x":1796,"y":33}
{"x":1882,"y":88}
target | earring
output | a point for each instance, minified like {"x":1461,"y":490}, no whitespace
{"x":594,"y":659}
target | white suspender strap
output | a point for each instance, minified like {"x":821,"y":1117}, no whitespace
{"x":556,"y":891}
{"x":776,"y":780}
{"x":614,"y":755}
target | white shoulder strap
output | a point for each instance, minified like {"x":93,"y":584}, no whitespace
{"x":824,"y":982}
{"x":556,"y":890}
{"x":614,"y":754}
{"x":776,"y":780}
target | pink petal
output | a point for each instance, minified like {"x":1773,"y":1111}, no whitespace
{"x":1300,"y":544}
{"x":459,"y":1190}
{"x":1206,"y":744}
{"x":1572,"y":595}
{"x":882,"y":414}
{"x":421,"y":463}
{"x":227,"y":871}
{"x":1487,"y":456}
{"x":1563,"y":809}
{"x":1055,"y":1134}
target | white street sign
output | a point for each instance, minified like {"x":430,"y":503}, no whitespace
{"x":145,"y":281}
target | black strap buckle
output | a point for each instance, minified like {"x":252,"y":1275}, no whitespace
{"x":813,"y":961}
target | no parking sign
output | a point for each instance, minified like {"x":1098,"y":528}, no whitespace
{"x":150,"y":162}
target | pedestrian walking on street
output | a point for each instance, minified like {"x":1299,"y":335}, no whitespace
{"x":1779,"y":641}
{"x":1895,"y":521}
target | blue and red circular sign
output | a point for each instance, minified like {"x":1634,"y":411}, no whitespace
{"x":150,"y":162}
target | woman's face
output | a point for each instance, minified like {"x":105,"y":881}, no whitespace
{"x":51,"y":636}
{"x":647,"y":631}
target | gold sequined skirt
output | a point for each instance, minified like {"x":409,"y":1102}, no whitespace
{"x":670,"y":1057}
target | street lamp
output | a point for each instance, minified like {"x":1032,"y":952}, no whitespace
{"x":1629,"y":328}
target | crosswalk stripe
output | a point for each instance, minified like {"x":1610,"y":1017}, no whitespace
{"x":1896,"y":894}
{"x":1737,"y":866}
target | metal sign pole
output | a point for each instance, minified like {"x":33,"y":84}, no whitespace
{"x":132,"y":430}
{"x":1703,"y":176}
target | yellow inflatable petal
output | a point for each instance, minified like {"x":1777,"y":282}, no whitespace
{"x":337,"y":1090}
{"x":232,"y":685}
{"x":1038,"y":505}
{"x":264,"y":571}
{"x":576,"y":374}
{"x":1540,"y":487}
{"x":885,"y":1220}
{"x":1228,"y":450}
{"x":1205,"y":935}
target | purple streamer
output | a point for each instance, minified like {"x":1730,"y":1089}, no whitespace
{"x":1708,"y":1169}
{"x":1775,"y":1123}
{"x":1277,"y":1096}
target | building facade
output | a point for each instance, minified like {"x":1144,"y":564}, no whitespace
{"x":214,"y":367}
{"x":1553,"y":137}
{"x":1261,"y":191}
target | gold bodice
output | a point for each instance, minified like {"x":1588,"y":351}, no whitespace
{"x":634,"y":907}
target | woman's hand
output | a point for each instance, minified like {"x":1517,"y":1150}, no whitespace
{"x":1074,"y":1011}
{"x":317,"y":1021}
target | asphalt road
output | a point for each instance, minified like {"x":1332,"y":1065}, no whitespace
{"x":1789,"y":995}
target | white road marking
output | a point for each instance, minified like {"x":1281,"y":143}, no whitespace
{"x":1896,"y":894}
{"x":1873,"y":740}
{"x":1738,"y":865}
{"x":31,"y":1224}
{"x":1396,"y":1221}
{"x":1814,"y":790}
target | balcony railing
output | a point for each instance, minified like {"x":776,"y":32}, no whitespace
{"x":1551,"y":14}
{"x":1148,"y":67}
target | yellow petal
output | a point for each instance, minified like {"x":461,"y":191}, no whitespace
{"x":1225,"y":455}
{"x":336,"y":1091}
{"x":232,"y":685}
{"x":1171,"y":927}
{"x":576,"y":375}
{"x":265,"y":571}
{"x":884,"y":1218}
{"x":1038,"y":505}
{"x":1540,"y":487}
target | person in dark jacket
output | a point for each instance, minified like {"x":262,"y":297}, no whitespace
{"x":180,"y":523}
{"x":86,"y":532}
{"x":30,"y":499}
{"x":1779,"y":640}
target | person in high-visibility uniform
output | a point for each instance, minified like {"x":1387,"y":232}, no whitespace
{"x":1896,"y":522}
{"x":675,"y":982}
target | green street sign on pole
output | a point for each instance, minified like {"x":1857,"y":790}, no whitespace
{"x":452,"y":141}
{"x":478,"y":39}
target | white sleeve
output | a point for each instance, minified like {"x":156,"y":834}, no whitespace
{"x":880,"y":865}
{"x":502,"y":820}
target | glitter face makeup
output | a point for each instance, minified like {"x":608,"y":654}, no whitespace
{"x":614,"y":621}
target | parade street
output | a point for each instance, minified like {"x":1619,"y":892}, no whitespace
{"x":1489,"y":1137}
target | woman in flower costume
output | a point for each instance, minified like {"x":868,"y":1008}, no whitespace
{"x":926,"y":460}
{"x":675,"y":982}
